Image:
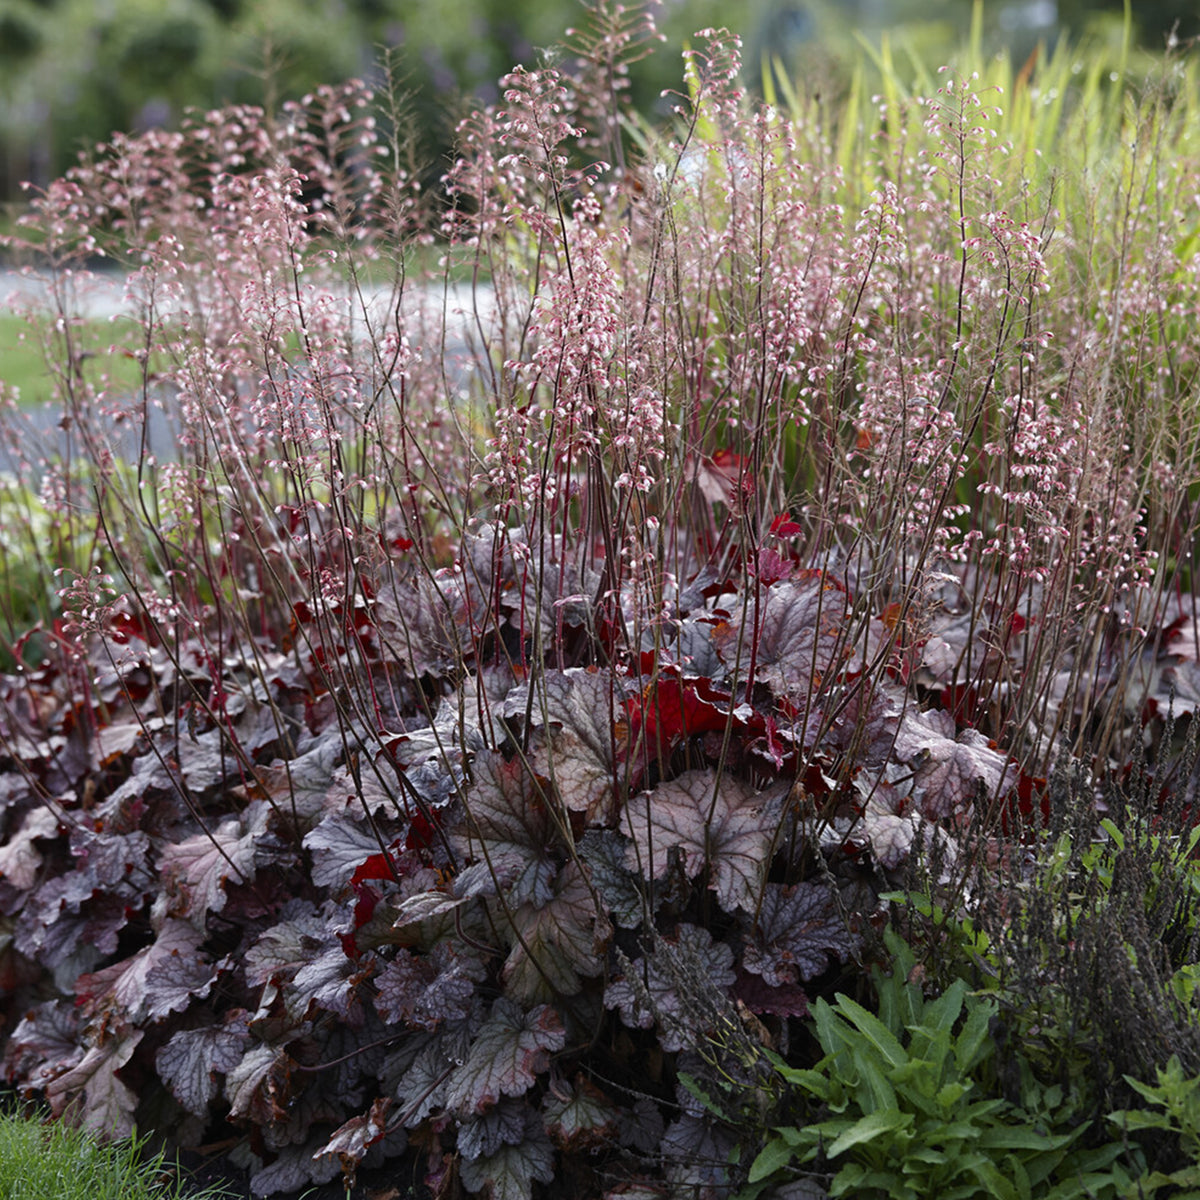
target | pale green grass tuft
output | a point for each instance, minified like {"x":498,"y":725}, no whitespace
{"x":54,"y":1162}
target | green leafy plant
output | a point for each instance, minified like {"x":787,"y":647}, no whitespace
{"x":1093,"y":952}
{"x":1176,"y":1113}
{"x":904,"y":1110}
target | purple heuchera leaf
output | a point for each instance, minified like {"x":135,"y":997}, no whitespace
{"x":197,"y":869}
{"x":71,"y":938}
{"x":204,"y":760}
{"x":422,"y":1089}
{"x":90,"y":1092}
{"x":891,"y":820}
{"x":507,"y":833}
{"x":302,"y":784}
{"x":556,"y":944}
{"x":330,"y":981}
{"x":577,"y":711}
{"x":256,"y":1085}
{"x":350,"y":1143}
{"x":788,"y":1000}
{"x":640,"y":1126}
{"x":950,"y":770}
{"x":604,"y":853}
{"x":192,"y":1059}
{"x":111,"y":858}
{"x":160,"y":979}
{"x":339,"y":845}
{"x":44,"y":1044}
{"x":507,"y":1054}
{"x":20,"y":858}
{"x":696,"y":1150}
{"x":650,"y":989}
{"x":889,"y":833}
{"x":503,"y":1124}
{"x":579,"y":1117}
{"x":800,"y":632}
{"x":798,"y":929}
{"x":715,"y":822}
{"x":427,"y":990}
{"x":284,"y":948}
{"x":510,"y":1172}
{"x":293,"y":1169}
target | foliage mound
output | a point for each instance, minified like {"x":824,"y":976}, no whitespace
{"x":475,"y":738}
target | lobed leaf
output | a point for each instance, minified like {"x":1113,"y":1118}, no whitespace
{"x":160,"y":979}
{"x":799,"y":928}
{"x":949,"y":770}
{"x":605,"y":853}
{"x":579,"y":1116}
{"x":798,"y":632}
{"x":339,"y":845}
{"x":504,"y":1124}
{"x":192,"y":1059}
{"x":511,"y":1171}
{"x":351,"y":1141}
{"x":425,"y":990}
{"x":20,"y":858}
{"x":283,"y":948}
{"x":90,"y":1092}
{"x":556,"y":944}
{"x":719,"y":824}
{"x":507,"y":1054}
{"x":197,"y":869}
{"x":577,"y":710}
{"x":508,"y":833}
{"x":652,"y":987}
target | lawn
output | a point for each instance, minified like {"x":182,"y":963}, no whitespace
{"x":104,"y":356}
{"x":40,"y":1161}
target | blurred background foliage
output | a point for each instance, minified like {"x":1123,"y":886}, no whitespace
{"x":71,"y":71}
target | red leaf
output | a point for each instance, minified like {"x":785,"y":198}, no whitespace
{"x":44,"y":1043}
{"x":378,"y":866}
{"x":671,"y":710}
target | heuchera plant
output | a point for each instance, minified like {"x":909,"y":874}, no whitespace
{"x":471,"y":707}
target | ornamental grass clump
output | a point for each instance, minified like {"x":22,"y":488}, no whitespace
{"x":474,"y":716}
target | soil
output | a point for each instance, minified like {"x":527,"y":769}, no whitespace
{"x":399,"y":1179}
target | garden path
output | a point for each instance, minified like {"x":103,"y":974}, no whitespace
{"x":103,"y":297}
